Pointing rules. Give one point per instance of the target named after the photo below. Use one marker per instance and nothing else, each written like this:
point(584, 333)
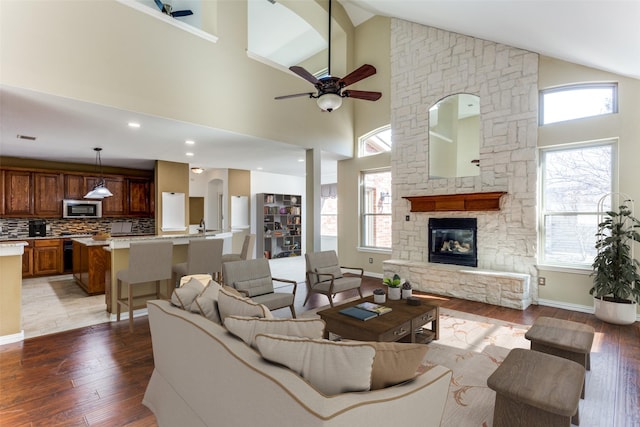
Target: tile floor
point(56, 303)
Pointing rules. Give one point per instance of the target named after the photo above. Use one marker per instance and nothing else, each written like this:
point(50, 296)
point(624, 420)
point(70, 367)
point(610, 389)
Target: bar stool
point(148, 262)
point(204, 256)
point(247, 249)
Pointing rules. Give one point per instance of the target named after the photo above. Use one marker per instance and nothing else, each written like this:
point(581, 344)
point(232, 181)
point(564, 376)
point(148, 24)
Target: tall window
point(577, 101)
point(573, 180)
point(377, 141)
point(376, 209)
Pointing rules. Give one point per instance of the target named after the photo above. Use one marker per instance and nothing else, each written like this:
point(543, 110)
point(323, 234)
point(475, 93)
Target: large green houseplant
point(616, 273)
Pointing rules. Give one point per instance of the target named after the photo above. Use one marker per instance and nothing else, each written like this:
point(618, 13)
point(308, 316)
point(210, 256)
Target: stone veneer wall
point(427, 65)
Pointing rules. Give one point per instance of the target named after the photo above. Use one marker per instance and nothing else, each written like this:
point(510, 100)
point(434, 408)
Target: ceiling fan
point(330, 89)
point(167, 10)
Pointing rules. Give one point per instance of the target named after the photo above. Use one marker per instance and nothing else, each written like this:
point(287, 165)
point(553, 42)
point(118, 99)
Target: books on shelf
point(358, 313)
point(376, 308)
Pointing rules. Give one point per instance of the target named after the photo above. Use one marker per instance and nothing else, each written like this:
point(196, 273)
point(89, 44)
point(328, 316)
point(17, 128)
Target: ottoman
point(536, 389)
point(562, 338)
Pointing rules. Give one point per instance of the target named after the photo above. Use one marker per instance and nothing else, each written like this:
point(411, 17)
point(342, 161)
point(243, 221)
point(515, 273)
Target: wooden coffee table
point(404, 323)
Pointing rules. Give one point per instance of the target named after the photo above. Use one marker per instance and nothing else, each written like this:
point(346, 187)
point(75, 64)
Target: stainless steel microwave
point(81, 208)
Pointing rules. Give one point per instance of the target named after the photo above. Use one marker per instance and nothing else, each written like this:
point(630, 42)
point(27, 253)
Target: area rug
point(472, 347)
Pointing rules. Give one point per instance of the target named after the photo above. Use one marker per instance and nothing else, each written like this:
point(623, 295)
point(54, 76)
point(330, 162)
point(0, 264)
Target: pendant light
point(99, 191)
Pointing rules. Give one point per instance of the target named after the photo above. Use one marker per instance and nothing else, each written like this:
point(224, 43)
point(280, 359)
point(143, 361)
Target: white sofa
point(204, 376)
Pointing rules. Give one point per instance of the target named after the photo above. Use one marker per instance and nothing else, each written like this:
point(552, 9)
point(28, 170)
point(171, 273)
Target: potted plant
point(616, 276)
point(379, 296)
point(406, 290)
point(394, 286)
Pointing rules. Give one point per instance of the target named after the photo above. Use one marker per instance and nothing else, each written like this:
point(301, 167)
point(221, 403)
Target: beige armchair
point(324, 275)
point(253, 279)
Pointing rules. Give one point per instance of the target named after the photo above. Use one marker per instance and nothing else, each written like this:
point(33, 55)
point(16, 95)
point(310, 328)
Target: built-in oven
point(81, 208)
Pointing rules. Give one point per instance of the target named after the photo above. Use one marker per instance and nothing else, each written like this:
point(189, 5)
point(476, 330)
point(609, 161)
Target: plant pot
point(406, 293)
point(615, 312)
point(394, 293)
point(379, 299)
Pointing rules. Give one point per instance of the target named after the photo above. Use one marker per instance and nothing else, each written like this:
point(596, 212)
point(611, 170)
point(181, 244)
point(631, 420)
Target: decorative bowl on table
point(101, 236)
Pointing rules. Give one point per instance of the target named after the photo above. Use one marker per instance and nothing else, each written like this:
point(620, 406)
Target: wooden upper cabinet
point(48, 194)
point(139, 197)
point(114, 205)
point(18, 193)
point(74, 187)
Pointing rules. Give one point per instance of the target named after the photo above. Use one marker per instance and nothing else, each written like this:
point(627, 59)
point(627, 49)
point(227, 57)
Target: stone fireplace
point(427, 65)
point(453, 241)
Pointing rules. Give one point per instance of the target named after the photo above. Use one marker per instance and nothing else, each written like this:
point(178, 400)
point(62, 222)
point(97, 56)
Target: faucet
point(202, 226)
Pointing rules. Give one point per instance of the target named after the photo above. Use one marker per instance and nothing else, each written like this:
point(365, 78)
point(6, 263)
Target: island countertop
point(178, 239)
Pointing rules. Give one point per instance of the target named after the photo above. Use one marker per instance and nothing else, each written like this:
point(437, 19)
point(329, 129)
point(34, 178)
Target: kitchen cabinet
point(113, 205)
point(18, 193)
point(47, 256)
point(90, 264)
point(27, 260)
point(48, 191)
point(74, 187)
point(139, 197)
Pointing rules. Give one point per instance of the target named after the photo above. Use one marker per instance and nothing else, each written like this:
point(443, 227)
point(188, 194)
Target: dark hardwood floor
point(97, 375)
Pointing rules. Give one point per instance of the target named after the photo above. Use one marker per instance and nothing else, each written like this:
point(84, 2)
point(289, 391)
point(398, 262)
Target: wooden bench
point(563, 338)
point(536, 389)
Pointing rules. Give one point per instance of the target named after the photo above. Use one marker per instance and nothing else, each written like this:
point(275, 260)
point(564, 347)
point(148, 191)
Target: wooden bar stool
point(148, 262)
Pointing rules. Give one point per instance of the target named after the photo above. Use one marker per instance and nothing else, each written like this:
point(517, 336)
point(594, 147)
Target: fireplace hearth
point(453, 241)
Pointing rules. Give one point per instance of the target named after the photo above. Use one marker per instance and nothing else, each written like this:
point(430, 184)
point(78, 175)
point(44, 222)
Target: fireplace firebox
point(453, 241)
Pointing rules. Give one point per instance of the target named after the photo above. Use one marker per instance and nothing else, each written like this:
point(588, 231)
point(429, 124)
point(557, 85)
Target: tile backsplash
point(18, 228)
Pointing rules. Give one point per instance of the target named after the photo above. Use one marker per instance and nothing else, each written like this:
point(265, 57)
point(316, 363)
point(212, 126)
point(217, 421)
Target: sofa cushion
point(206, 304)
point(247, 328)
point(184, 296)
point(231, 304)
point(254, 287)
point(331, 367)
point(395, 363)
point(334, 269)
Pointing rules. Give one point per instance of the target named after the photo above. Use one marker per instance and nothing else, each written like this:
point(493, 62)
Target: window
point(573, 180)
point(329, 210)
point(577, 101)
point(375, 209)
point(378, 141)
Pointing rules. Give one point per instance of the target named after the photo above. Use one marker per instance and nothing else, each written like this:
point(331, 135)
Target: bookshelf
point(278, 225)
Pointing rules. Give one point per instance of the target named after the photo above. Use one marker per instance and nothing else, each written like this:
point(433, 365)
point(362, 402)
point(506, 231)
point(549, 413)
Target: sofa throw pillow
point(246, 328)
point(334, 269)
point(230, 304)
point(254, 287)
point(184, 296)
point(395, 363)
point(331, 367)
point(206, 304)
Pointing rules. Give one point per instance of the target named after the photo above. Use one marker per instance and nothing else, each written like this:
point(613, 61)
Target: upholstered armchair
point(324, 275)
point(253, 279)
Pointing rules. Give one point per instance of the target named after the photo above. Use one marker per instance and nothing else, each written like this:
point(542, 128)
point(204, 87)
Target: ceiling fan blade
point(304, 74)
point(355, 76)
point(362, 94)
point(179, 13)
point(159, 4)
point(309, 94)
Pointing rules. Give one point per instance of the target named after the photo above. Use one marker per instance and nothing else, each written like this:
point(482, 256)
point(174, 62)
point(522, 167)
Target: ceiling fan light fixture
point(329, 102)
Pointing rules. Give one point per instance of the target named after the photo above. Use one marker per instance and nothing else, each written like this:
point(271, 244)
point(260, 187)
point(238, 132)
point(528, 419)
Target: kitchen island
point(90, 264)
point(11, 292)
point(116, 250)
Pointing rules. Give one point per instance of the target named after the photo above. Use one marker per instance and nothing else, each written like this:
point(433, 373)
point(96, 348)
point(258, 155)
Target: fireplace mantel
point(456, 202)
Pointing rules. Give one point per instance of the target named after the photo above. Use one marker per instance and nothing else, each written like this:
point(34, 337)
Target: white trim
point(374, 250)
point(169, 20)
point(125, 315)
point(564, 269)
point(572, 307)
point(8, 339)
point(372, 274)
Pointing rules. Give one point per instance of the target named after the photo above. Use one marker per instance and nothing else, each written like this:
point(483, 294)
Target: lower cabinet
point(90, 263)
point(47, 257)
point(27, 260)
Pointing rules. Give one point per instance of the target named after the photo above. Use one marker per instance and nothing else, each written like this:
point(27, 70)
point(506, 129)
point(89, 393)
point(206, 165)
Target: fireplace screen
point(453, 241)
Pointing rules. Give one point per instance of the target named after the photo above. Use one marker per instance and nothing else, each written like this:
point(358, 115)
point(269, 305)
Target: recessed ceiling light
point(190, 154)
point(189, 142)
point(259, 168)
point(134, 125)
point(301, 160)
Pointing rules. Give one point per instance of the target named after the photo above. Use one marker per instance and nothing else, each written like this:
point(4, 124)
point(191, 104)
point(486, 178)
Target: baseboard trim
point(125, 315)
point(8, 339)
point(566, 305)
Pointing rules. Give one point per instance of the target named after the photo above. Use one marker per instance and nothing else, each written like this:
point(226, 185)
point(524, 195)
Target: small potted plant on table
point(406, 290)
point(394, 286)
point(379, 296)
